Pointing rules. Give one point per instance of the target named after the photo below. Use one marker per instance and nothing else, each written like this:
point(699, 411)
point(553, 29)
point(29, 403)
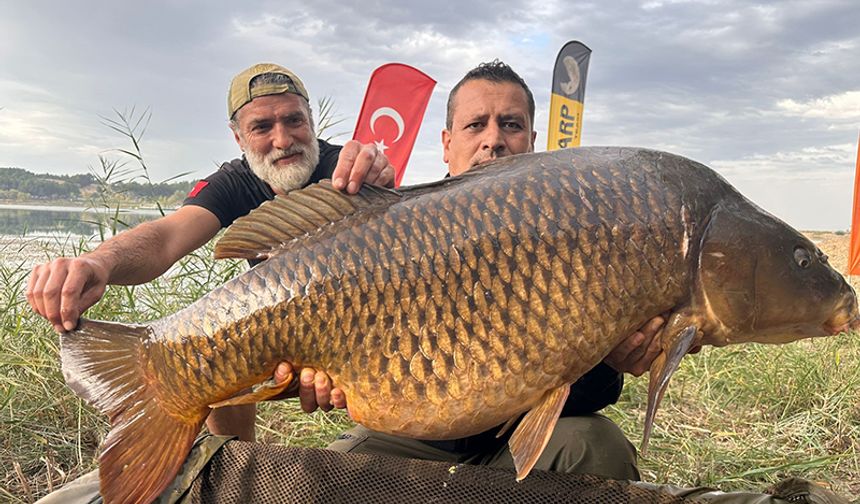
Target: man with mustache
point(491, 116)
point(271, 121)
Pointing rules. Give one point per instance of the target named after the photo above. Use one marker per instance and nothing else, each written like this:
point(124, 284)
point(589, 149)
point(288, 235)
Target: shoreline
point(74, 207)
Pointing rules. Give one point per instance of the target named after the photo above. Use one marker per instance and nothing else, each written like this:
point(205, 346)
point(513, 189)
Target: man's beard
point(292, 176)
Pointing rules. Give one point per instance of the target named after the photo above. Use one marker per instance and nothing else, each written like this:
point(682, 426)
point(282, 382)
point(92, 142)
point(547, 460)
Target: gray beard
point(285, 178)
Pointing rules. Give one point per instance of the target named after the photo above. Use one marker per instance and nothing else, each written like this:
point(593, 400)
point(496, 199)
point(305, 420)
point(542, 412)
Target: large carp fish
point(445, 309)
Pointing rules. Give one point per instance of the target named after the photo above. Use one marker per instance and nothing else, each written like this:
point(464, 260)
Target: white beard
point(285, 178)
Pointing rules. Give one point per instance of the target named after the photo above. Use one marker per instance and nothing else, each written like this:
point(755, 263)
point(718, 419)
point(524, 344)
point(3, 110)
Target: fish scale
point(445, 309)
point(598, 293)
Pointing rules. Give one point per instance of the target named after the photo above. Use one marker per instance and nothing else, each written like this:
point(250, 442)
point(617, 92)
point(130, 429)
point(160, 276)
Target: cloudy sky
point(766, 93)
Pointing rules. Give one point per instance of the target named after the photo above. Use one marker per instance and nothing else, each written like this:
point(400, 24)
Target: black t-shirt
point(234, 190)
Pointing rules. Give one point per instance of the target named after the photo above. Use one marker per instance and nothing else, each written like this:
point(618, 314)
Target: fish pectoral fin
point(505, 428)
point(533, 433)
point(262, 392)
point(662, 369)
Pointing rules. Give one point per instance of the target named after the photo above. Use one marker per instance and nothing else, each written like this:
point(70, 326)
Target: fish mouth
point(851, 325)
point(846, 317)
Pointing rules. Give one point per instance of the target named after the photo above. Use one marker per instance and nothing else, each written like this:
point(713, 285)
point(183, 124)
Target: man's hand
point(635, 354)
point(61, 290)
point(315, 390)
point(358, 163)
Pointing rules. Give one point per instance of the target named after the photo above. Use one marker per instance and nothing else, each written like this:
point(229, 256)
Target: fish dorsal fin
point(533, 433)
point(276, 222)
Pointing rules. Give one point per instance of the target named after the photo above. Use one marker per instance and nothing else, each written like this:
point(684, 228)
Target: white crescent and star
point(395, 116)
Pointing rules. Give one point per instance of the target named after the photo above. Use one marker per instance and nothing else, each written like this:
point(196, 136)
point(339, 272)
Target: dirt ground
point(834, 245)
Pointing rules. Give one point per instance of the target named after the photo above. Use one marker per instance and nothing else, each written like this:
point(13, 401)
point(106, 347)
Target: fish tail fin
point(104, 364)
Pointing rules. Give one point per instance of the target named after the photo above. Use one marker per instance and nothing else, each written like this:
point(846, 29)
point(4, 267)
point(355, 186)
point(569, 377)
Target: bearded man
point(270, 116)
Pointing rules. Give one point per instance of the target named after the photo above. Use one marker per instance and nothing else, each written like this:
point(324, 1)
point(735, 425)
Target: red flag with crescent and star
point(391, 114)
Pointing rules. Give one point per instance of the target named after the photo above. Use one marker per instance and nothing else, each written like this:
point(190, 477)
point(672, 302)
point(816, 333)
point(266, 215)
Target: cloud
point(807, 164)
point(43, 130)
point(766, 89)
point(837, 106)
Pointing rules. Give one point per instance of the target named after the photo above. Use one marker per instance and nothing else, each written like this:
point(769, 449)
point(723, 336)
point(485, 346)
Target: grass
point(738, 418)
point(49, 435)
point(734, 418)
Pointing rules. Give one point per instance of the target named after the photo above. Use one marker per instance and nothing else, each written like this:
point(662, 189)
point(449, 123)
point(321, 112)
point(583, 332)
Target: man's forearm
point(133, 257)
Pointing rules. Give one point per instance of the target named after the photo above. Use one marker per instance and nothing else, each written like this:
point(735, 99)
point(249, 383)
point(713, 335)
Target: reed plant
point(737, 418)
point(48, 435)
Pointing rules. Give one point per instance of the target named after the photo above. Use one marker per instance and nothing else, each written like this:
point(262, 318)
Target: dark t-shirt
point(234, 190)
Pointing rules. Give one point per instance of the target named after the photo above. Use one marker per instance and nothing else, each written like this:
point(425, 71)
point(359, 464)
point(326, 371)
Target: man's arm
point(635, 354)
point(62, 289)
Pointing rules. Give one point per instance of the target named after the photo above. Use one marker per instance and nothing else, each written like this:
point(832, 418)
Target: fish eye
point(802, 257)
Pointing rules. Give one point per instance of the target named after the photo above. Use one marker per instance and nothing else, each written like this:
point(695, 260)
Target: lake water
point(31, 234)
point(55, 221)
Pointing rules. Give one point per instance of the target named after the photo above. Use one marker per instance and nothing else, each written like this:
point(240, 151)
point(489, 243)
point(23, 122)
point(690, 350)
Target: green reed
point(735, 418)
point(742, 417)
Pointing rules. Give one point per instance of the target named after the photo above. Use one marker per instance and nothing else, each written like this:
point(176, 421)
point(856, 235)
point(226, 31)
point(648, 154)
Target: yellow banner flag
point(568, 96)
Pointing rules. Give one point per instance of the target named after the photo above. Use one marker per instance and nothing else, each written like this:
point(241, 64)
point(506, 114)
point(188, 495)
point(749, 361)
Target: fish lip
point(851, 325)
point(846, 316)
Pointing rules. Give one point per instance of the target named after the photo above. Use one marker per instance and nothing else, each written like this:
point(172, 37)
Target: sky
point(767, 94)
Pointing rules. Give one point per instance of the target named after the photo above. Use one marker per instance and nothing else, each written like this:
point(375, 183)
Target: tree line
point(18, 184)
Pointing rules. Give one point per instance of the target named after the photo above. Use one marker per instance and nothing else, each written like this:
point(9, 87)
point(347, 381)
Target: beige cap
point(240, 88)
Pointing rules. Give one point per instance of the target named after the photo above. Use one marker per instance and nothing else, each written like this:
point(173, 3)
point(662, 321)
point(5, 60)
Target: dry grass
point(742, 417)
point(736, 418)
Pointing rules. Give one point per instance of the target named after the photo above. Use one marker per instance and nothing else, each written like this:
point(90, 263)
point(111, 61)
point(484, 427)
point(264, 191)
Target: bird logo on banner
point(573, 74)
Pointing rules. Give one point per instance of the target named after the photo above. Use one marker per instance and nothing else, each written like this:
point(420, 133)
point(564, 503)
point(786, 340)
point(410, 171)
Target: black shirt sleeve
point(328, 161)
point(594, 391)
point(231, 192)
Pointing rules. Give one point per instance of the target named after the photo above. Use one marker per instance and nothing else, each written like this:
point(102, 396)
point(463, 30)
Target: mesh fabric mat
point(256, 473)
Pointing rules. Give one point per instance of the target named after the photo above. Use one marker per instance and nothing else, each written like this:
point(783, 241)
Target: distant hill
point(17, 184)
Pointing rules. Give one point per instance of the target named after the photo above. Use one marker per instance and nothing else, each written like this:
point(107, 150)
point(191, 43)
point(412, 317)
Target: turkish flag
point(391, 114)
